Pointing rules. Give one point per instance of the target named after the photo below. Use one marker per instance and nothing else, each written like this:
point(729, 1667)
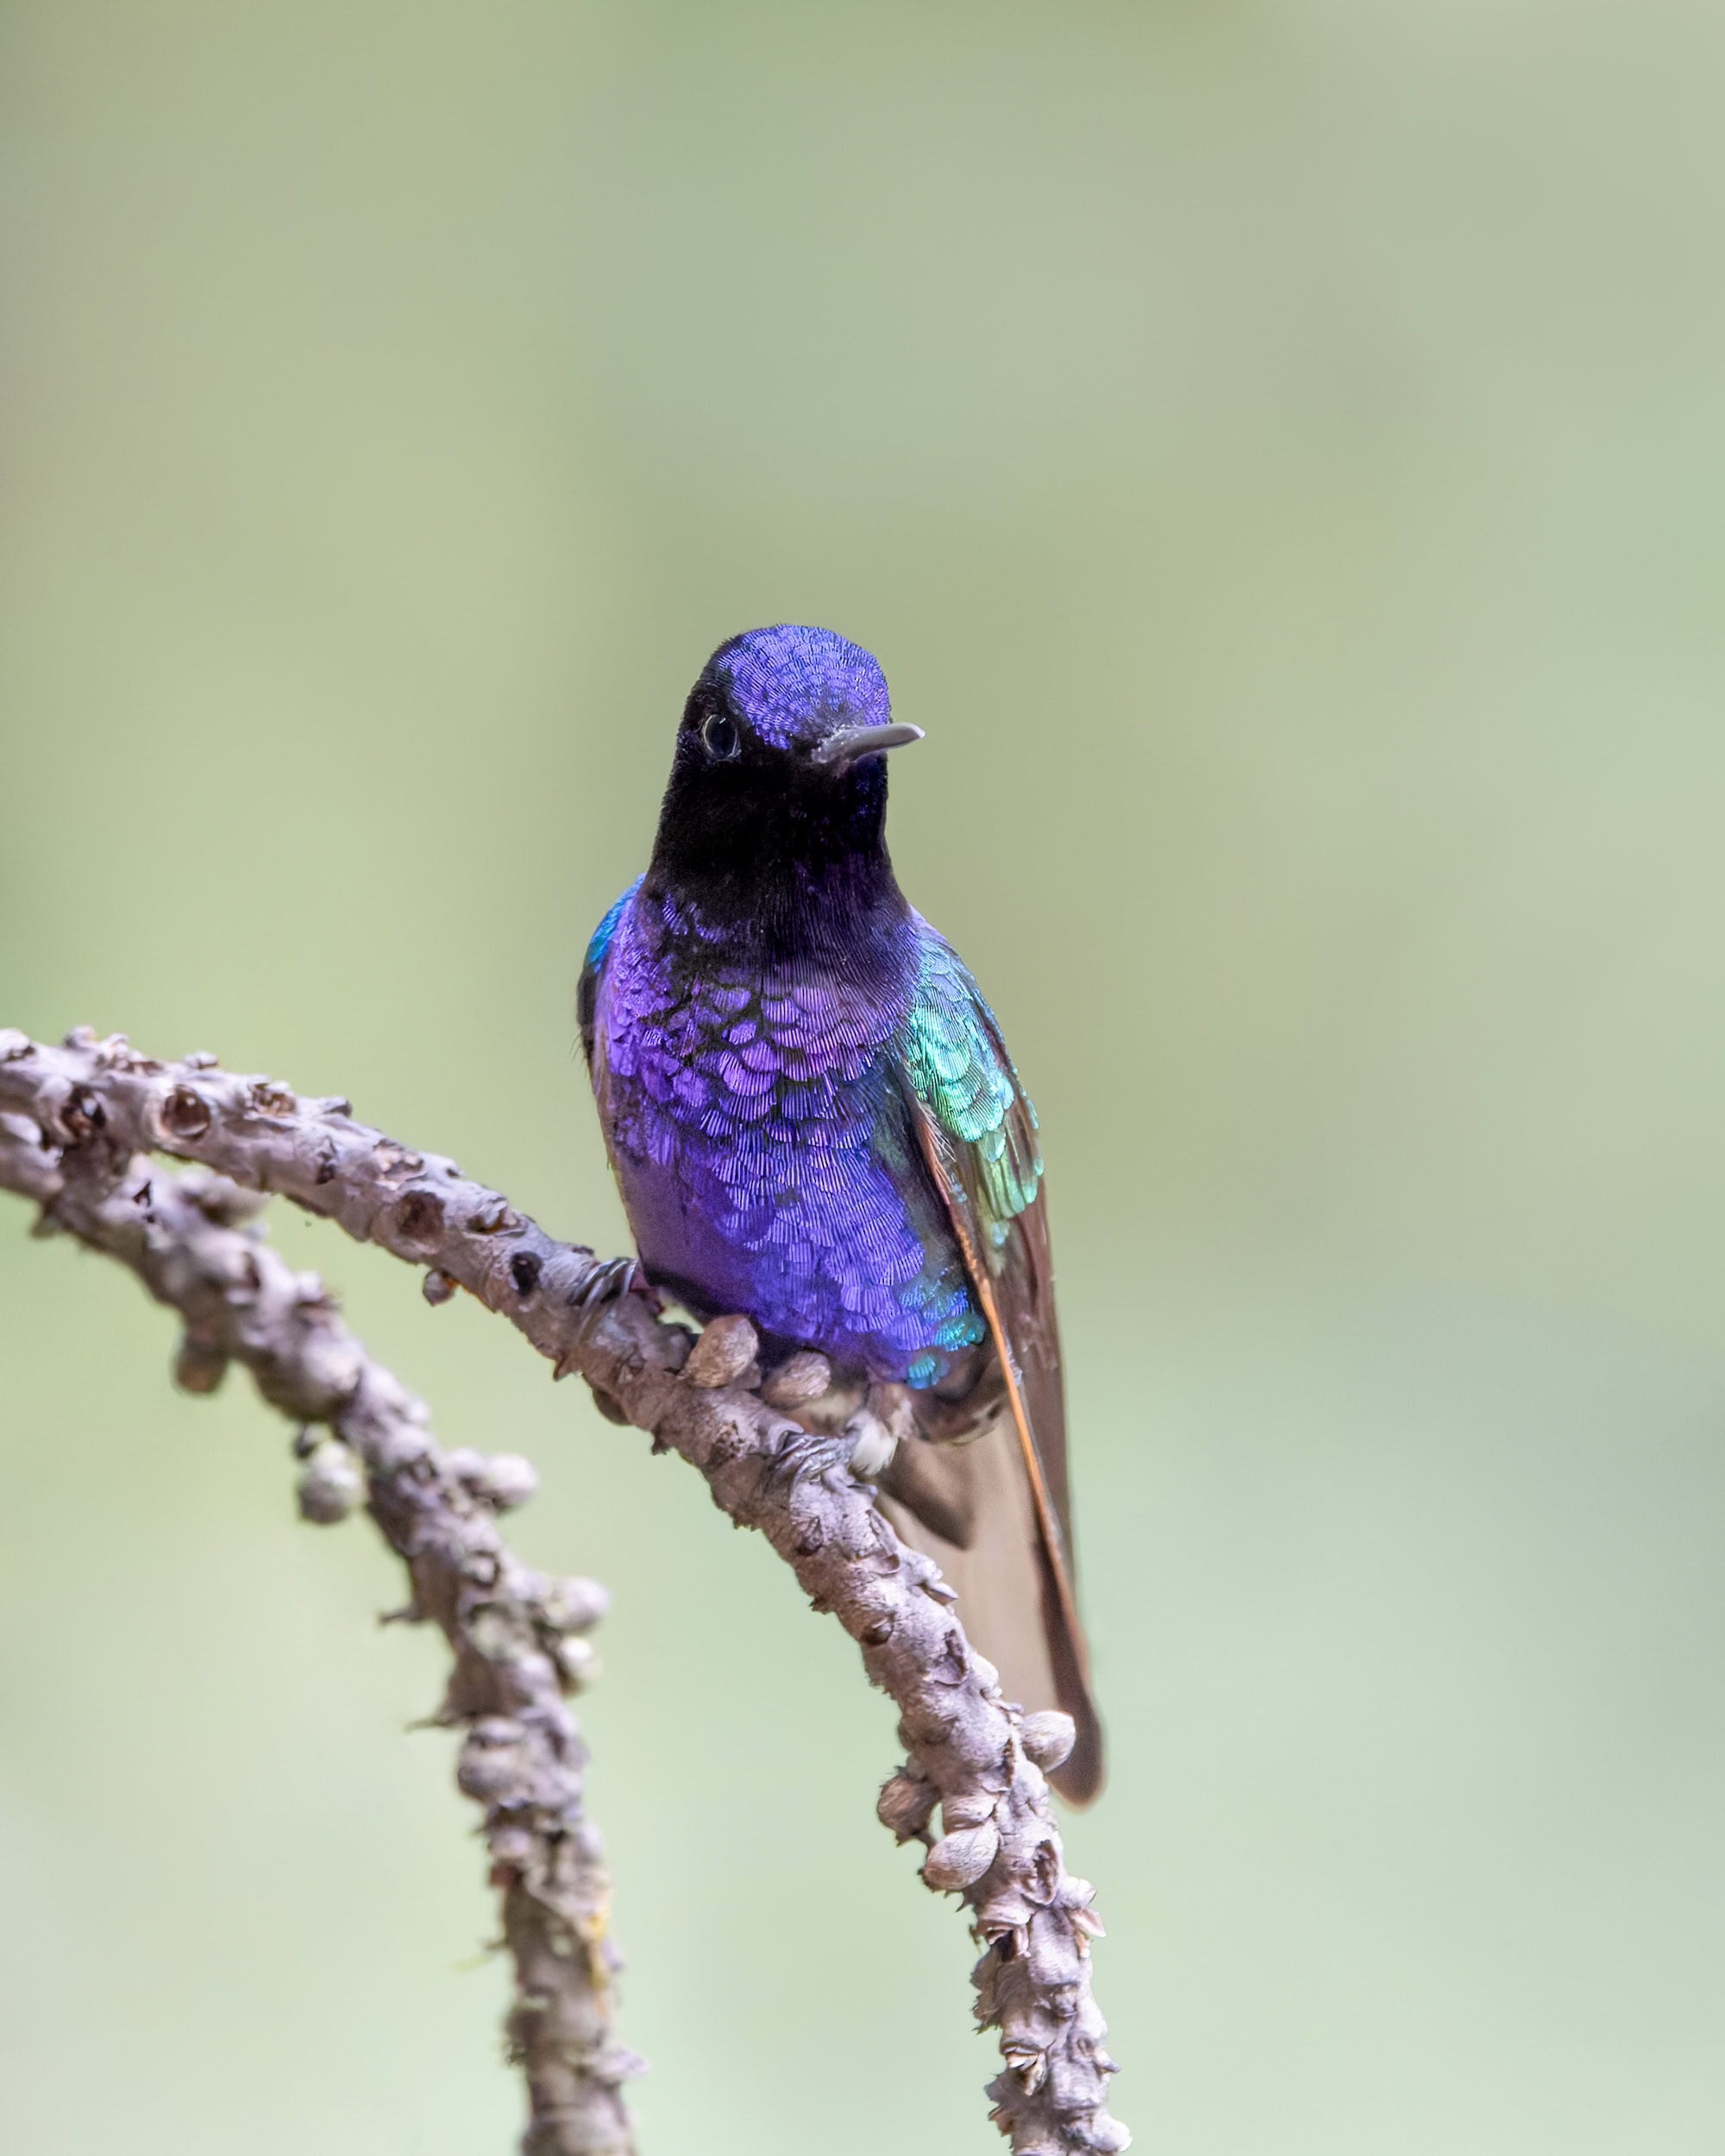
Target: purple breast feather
point(762, 1141)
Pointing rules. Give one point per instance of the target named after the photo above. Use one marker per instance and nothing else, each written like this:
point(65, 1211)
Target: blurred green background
point(1277, 450)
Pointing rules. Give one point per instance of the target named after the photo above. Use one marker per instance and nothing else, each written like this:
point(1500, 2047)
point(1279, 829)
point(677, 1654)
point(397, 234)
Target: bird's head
point(779, 773)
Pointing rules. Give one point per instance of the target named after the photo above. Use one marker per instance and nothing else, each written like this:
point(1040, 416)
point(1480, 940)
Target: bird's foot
point(611, 1280)
point(811, 1453)
point(604, 1285)
point(863, 1447)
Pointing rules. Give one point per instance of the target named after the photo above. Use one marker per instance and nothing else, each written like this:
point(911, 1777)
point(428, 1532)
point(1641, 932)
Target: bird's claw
point(863, 1450)
point(810, 1452)
point(612, 1280)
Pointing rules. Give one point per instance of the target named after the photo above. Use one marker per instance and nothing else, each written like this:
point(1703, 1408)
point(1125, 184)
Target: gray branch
point(516, 1638)
point(90, 1106)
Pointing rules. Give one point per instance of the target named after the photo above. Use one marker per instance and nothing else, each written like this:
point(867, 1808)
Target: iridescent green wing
point(959, 1069)
point(978, 1132)
point(980, 1128)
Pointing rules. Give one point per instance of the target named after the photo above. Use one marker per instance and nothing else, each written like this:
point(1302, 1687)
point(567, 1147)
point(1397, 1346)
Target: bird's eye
point(718, 737)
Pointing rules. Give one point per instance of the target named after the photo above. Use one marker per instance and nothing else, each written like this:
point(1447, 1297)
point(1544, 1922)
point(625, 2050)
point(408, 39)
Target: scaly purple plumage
point(761, 1134)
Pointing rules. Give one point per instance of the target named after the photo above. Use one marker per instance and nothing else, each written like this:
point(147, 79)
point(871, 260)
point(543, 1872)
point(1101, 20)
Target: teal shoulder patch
point(607, 928)
point(587, 990)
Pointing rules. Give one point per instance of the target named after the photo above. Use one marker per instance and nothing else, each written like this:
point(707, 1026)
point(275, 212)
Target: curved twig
point(969, 1752)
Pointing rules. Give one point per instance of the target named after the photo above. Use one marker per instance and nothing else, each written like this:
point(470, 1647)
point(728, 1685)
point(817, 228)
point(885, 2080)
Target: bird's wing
point(586, 993)
point(976, 1130)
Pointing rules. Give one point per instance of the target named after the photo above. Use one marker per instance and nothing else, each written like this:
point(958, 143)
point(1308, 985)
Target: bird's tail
point(972, 1508)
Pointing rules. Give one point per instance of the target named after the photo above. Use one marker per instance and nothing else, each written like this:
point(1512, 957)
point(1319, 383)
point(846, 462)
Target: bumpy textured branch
point(969, 1753)
point(516, 1638)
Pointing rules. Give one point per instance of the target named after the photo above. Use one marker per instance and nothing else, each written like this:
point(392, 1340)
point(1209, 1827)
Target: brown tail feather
point(969, 1508)
point(1016, 1296)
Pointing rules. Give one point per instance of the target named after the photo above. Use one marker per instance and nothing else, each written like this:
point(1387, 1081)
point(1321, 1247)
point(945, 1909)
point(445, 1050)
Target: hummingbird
point(813, 1120)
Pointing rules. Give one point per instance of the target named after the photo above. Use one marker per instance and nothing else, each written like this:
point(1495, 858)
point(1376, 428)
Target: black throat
point(775, 860)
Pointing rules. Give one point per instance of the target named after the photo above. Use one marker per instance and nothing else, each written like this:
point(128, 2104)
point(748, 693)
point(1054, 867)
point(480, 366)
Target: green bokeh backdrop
point(1278, 449)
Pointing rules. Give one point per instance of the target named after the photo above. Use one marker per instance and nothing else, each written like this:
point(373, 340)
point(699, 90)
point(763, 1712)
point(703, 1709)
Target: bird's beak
point(851, 742)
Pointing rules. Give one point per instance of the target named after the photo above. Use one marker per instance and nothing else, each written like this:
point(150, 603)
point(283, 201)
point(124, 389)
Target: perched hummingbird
point(813, 1120)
